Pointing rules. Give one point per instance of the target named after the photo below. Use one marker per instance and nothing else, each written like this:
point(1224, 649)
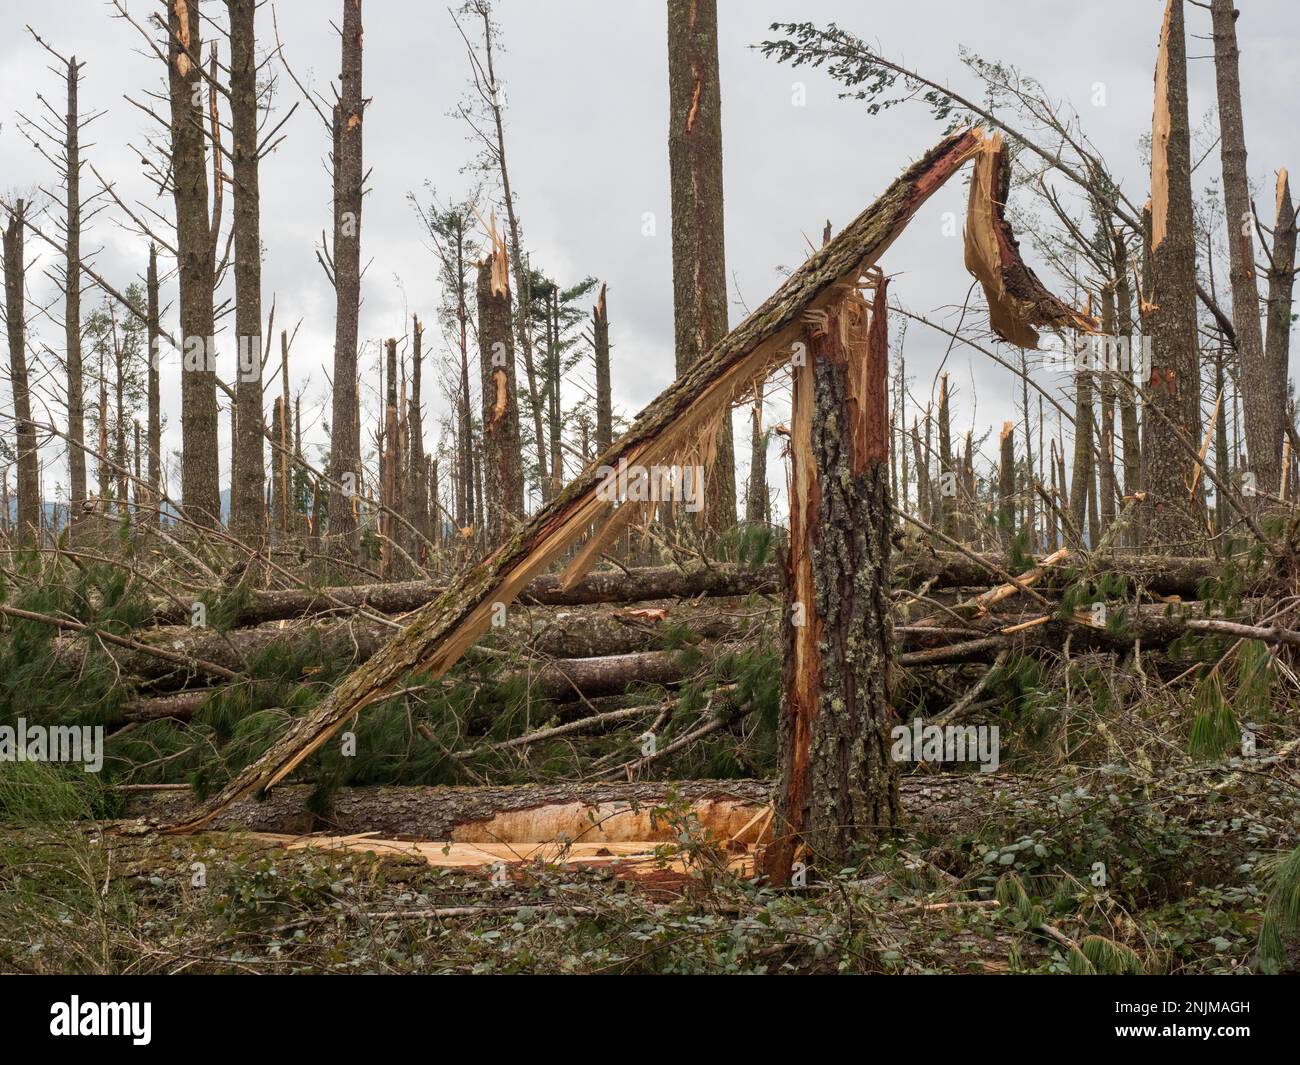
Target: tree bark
point(345, 438)
point(248, 498)
point(15, 270)
point(839, 785)
point(1174, 384)
point(1264, 405)
point(1281, 279)
point(200, 479)
point(417, 501)
point(153, 332)
point(604, 384)
point(503, 487)
point(699, 259)
point(72, 300)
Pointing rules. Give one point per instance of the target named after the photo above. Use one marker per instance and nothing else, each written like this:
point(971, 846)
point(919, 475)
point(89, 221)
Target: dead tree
point(28, 460)
point(200, 484)
point(416, 504)
point(153, 335)
point(604, 385)
point(699, 259)
point(1264, 406)
point(349, 176)
point(503, 487)
point(839, 785)
point(248, 487)
point(1173, 395)
point(1281, 279)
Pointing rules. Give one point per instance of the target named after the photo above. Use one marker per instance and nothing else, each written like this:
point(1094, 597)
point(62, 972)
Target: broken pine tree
point(670, 427)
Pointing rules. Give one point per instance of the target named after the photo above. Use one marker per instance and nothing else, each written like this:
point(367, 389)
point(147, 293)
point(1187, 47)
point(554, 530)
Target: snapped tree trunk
point(699, 259)
point(503, 481)
point(1281, 279)
point(838, 785)
point(604, 384)
point(1174, 384)
point(153, 331)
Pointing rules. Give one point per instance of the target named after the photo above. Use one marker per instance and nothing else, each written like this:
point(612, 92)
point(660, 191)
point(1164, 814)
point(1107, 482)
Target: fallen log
point(911, 568)
point(580, 632)
point(604, 586)
point(436, 813)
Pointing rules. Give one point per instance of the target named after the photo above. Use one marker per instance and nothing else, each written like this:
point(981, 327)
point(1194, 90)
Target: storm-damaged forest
point(650, 488)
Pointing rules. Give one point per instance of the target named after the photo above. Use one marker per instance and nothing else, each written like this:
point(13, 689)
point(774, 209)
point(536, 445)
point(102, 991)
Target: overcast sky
point(586, 94)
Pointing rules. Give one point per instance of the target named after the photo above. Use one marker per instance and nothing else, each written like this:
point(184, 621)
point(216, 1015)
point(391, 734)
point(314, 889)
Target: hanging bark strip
point(440, 633)
point(838, 784)
point(1017, 299)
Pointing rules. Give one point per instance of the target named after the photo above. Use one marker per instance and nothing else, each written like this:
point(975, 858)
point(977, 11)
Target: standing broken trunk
point(29, 495)
point(839, 786)
point(503, 487)
point(1174, 514)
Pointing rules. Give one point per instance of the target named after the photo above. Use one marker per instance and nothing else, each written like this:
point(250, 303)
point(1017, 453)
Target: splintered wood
point(1017, 299)
point(631, 840)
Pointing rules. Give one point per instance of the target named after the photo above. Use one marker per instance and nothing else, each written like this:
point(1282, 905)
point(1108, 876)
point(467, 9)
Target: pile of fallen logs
point(615, 629)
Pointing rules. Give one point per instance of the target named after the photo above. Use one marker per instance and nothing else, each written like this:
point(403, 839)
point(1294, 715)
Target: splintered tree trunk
point(1281, 279)
point(838, 785)
point(699, 260)
point(1007, 486)
point(248, 499)
point(604, 385)
point(72, 301)
point(503, 481)
point(200, 477)
point(345, 439)
point(1173, 401)
point(946, 500)
point(390, 461)
point(1265, 405)
point(436, 636)
point(29, 492)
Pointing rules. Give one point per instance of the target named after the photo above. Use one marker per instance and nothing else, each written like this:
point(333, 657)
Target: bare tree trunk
point(1124, 365)
point(72, 298)
point(699, 259)
point(153, 331)
point(28, 461)
point(756, 493)
point(839, 784)
point(345, 438)
point(1106, 436)
point(1174, 392)
point(417, 502)
point(390, 460)
point(1007, 487)
point(1265, 406)
point(248, 490)
point(946, 501)
point(200, 484)
point(1281, 279)
point(503, 487)
point(604, 384)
